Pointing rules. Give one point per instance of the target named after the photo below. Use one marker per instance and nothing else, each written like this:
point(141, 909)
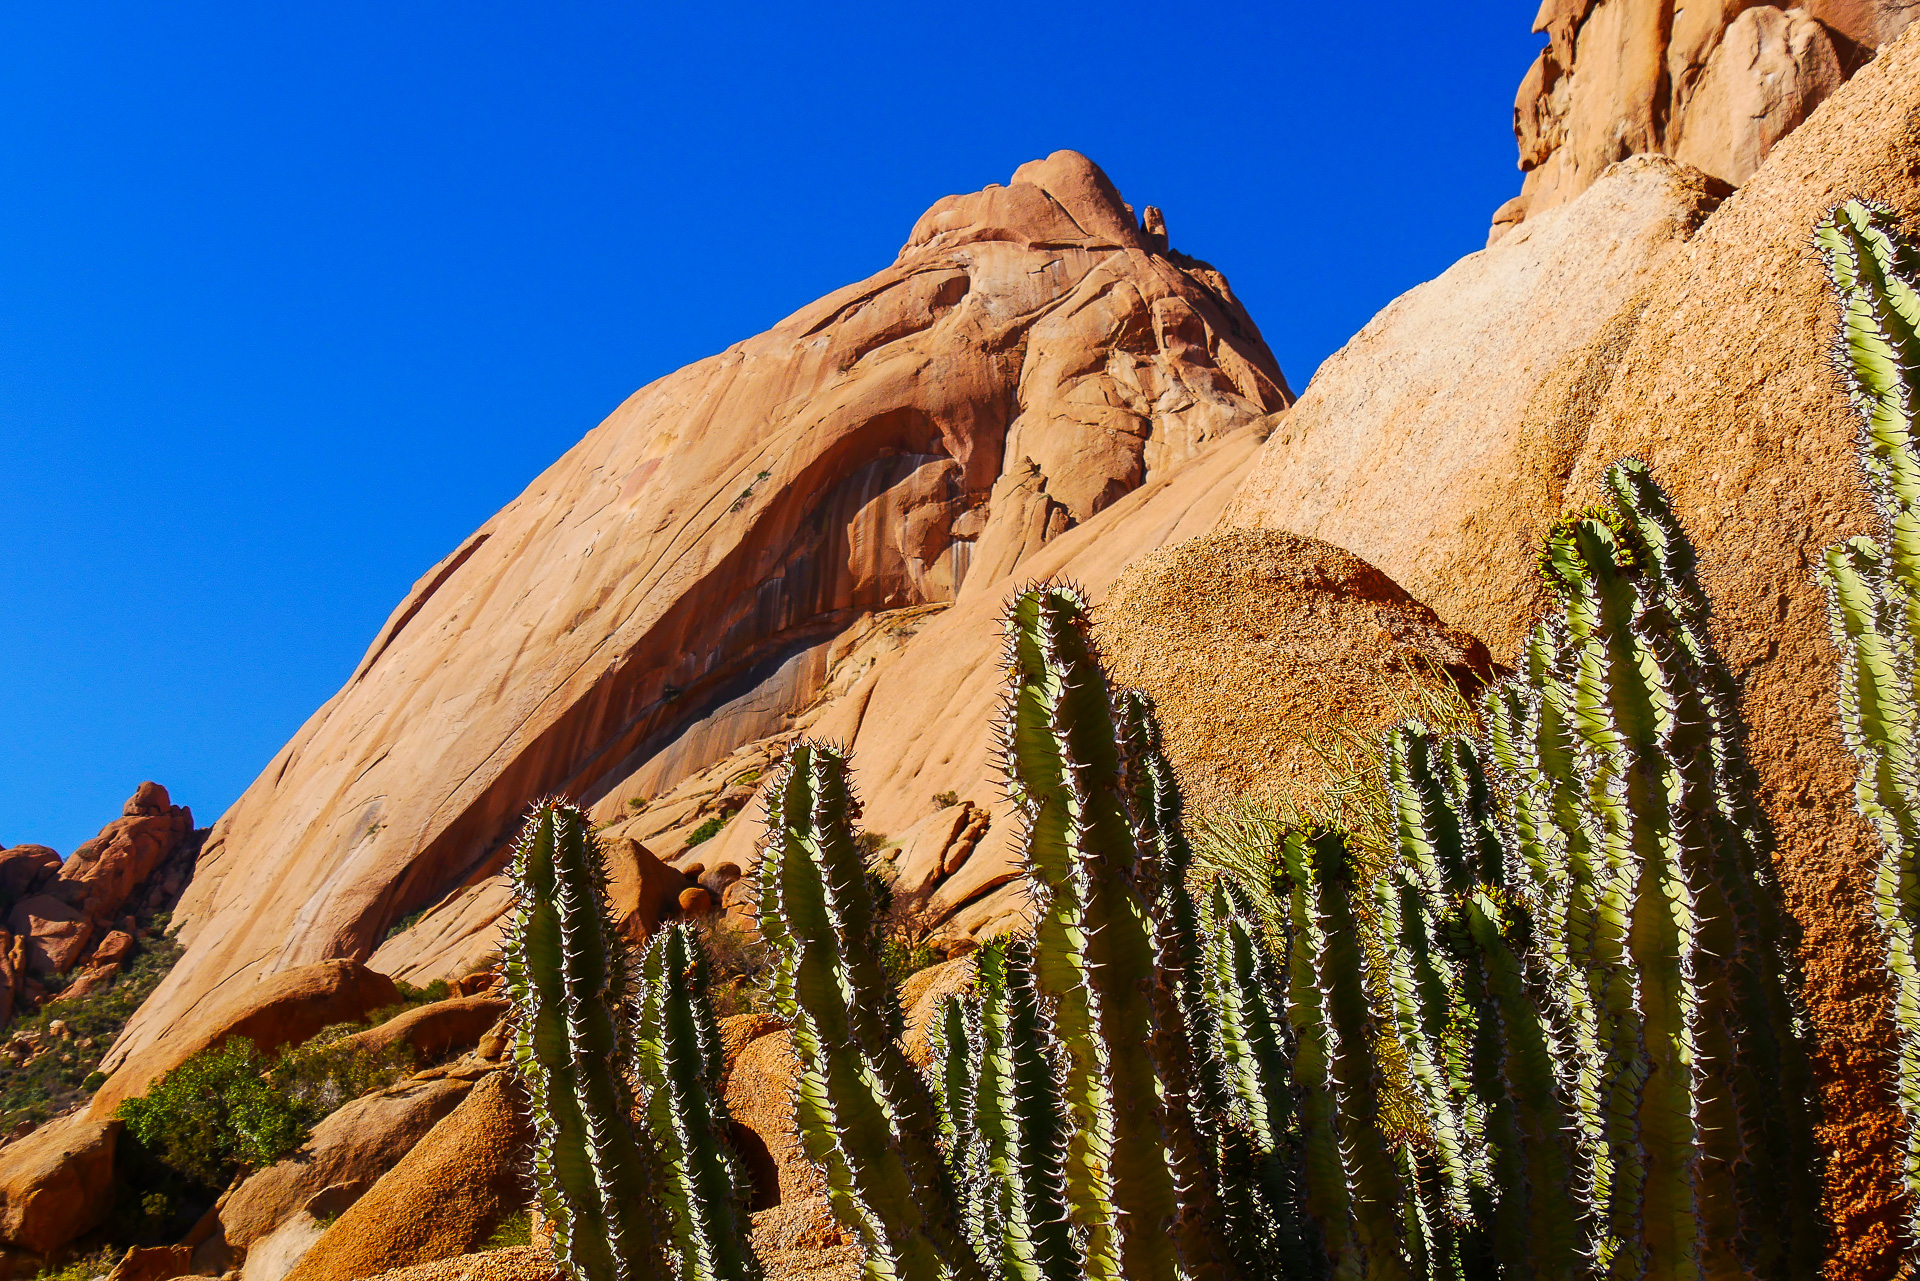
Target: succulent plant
point(1873, 603)
point(625, 1201)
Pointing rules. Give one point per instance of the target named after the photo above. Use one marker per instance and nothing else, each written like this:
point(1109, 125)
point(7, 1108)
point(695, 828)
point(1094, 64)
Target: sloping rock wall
point(1030, 358)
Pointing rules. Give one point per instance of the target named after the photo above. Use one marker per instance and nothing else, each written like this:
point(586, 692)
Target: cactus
point(1130, 1148)
point(1353, 1181)
point(866, 1117)
point(1593, 990)
point(680, 1068)
point(624, 1201)
point(1873, 603)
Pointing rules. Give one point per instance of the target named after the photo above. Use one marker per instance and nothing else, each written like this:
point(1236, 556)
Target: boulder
point(25, 869)
point(920, 998)
point(519, 1263)
point(695, 901)
point(434, 1032)
point(669, 589)
point(759, 1092)
point(643, 890)
point(1715, 83)
point(273, 1256)
point(353, 1147)
point(57, 933)
point(57, 1183)
point(283, 1009)
point(153, 1263)
point(444, 1197)
point(110, 867)
point(1247, 639)
point(1770, 69)
point(802, 1241)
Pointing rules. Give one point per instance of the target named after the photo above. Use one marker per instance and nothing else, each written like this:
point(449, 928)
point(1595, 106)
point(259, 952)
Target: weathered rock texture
point(672, 587)
point(1414, 447)
point(56, 1183)
point(443, 1199)
point(1717, 373)
point(1249, 639)
point(1714, 83)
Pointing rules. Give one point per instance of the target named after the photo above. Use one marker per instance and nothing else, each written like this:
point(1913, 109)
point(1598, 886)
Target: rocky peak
point(672, 588)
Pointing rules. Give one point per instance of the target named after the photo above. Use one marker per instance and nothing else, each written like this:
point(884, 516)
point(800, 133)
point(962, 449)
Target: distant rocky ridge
point(75, 922)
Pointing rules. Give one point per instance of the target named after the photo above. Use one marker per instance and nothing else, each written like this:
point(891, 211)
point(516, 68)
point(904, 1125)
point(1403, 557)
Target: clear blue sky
point(292, 297)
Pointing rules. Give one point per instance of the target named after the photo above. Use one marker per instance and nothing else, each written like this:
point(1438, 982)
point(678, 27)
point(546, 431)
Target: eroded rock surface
point(672, 587)
point(1715, 83)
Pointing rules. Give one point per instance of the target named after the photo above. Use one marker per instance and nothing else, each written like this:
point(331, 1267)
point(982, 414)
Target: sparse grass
point(871, 843)
point(945, 800)
point(86, 1267)
point(705, 832)
point(637, 804)
point(515, 1229)
point(739, 968)
point(66, 1072)
point(404, 924)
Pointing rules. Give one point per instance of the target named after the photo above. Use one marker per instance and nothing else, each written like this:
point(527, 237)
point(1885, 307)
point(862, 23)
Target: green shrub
point(901, 959)
point(233, 1107)
point(946, 800)
point(515, 1229)
point(705, 832)
point(218, 1111)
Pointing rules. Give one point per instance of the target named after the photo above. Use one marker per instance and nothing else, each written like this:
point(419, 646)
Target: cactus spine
point(624, 1202)
point(866, 1117)
point(1873, 602)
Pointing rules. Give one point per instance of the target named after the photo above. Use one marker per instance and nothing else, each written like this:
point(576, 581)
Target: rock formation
point(80, 917)
point(1713, 84)
point(1716, 371)
point(672, 587)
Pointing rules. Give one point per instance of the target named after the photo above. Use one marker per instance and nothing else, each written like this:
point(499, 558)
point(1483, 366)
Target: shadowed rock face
point(669, 588)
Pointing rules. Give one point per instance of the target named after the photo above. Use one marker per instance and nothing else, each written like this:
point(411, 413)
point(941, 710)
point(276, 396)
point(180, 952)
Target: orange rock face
point(1714, 84)
point(669, 589)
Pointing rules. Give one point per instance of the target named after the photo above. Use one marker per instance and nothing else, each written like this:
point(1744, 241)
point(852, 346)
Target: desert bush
point(705, 832)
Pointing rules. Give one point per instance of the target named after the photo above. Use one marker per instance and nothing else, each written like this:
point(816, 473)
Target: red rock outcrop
point(1716, 371)
point(670, 589)
point(56, 1183)
point(1714, 84)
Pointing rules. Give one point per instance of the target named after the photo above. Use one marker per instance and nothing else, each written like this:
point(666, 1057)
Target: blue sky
point(291, 301)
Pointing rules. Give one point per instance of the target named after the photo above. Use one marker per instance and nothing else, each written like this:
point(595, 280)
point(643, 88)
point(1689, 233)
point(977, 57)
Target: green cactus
point(1593, 990)
point(1353, 1180)
point(680, 1067)
point(1130, 1149)
point(1022, 1125)
point(866, 1117)
point(624, 1201)
point(1873, 601)
point(567, 976)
